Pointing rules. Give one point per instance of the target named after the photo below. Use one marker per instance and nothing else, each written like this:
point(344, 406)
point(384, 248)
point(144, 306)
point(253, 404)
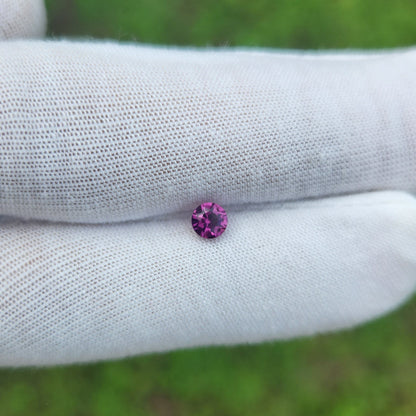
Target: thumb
point(22, 19)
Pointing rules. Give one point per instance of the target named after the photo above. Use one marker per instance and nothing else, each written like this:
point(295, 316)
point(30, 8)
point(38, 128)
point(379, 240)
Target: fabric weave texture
point(95, 132)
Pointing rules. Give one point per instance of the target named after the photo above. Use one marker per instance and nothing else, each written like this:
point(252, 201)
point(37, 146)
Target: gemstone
point(209, 220)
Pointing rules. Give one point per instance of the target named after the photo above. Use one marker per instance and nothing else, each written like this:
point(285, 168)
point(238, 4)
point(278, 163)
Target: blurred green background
point(370, 370)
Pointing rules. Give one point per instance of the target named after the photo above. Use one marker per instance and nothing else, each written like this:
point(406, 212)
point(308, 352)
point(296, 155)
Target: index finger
point(103, 132)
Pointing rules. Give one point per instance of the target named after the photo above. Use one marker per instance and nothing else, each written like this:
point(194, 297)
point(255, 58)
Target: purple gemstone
point(209, 220)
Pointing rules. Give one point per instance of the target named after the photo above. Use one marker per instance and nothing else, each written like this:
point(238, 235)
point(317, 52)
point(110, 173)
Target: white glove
point(97, 132)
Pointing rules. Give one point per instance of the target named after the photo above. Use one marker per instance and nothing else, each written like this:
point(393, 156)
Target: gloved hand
point(106, 148)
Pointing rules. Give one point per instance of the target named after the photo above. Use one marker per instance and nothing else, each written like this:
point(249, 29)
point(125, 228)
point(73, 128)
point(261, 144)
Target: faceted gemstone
point(209, 220)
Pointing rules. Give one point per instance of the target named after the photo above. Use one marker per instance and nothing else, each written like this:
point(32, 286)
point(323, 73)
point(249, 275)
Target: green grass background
point(370, 370)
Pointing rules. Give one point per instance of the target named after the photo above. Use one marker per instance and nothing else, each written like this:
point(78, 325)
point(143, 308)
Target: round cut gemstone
point(209, 220)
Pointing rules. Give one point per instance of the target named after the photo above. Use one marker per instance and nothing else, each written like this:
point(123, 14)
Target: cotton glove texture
point(22, 19)
point(105, 150)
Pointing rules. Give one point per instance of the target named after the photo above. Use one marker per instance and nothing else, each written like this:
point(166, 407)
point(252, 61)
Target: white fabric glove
point(93, 134)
